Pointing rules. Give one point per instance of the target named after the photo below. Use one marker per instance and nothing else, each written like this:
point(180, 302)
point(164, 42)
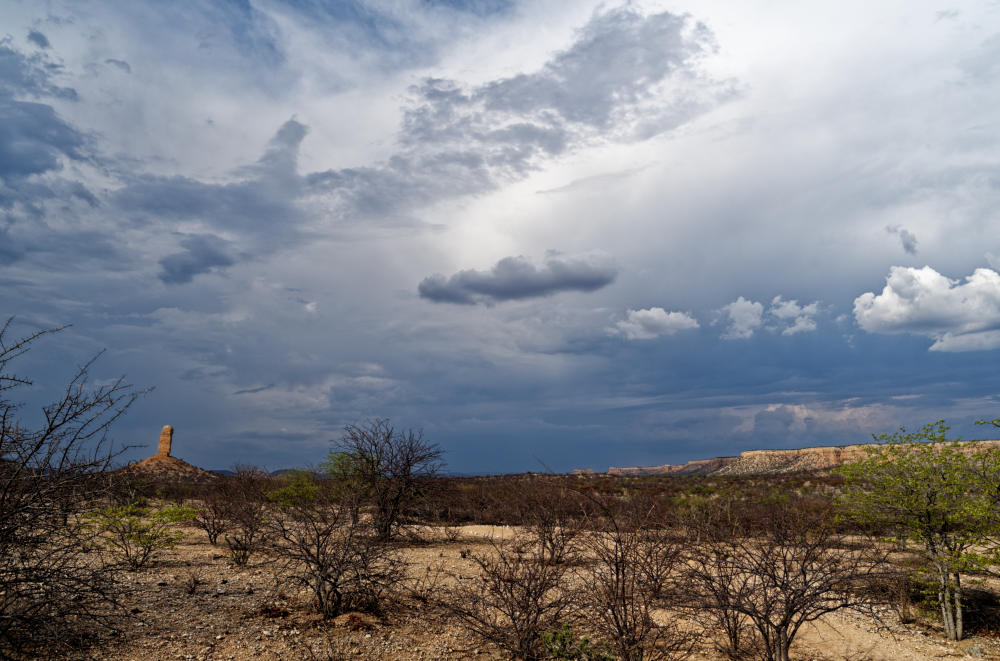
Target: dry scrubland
point(191, 600)
point(375, 556)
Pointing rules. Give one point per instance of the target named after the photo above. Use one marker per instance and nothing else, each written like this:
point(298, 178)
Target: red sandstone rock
point(163, 465)
point(166, 440)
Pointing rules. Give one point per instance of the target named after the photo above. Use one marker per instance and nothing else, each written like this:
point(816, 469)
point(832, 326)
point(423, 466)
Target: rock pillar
point(166, 438)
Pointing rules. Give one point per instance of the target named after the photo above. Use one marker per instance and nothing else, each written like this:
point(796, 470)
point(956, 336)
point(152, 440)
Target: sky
point(552, 235)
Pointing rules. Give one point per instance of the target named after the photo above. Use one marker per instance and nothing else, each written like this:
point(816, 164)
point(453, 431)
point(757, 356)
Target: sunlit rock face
point(754, 462)
point(166, 439)
point(164, 465)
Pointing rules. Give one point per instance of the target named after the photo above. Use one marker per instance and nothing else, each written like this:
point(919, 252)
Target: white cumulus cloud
point(958, 316)
point(651, 323)
point(794, 317)
point(742, 318)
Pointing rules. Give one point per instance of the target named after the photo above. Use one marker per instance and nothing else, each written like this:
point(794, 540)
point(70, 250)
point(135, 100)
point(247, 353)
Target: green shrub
point(563, 643)
point(135, 534)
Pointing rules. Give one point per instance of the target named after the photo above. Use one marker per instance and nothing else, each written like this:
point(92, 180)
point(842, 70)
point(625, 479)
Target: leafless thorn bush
point(247, 510)
point(426, 588)
point(637, 571)
point(53, 591)
point(514, 598)
point(760, 583)
point(550, 517)
point(215, 513)
point(317, 544)
point(191, 583)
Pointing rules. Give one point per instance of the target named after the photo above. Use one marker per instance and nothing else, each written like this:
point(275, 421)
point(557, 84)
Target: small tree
point(938, 497)
point(388, 465)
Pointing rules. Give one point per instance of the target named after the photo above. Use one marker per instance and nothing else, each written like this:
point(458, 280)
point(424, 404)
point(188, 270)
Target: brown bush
point(53, 591)
point(515, 597)
point(636, 570)
point(760, 582)
point(216, 511)
point(318, 543)
point(245, 494)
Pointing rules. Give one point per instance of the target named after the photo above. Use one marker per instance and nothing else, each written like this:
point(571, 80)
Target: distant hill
point(165, 467)
point(762, 462)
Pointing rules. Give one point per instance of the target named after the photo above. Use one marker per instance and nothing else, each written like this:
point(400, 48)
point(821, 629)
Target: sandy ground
point(240, 613)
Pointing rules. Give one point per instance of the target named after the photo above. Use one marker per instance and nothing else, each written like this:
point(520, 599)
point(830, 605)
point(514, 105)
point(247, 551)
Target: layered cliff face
point(790, 461)
point(755, 462)
point(698, 467)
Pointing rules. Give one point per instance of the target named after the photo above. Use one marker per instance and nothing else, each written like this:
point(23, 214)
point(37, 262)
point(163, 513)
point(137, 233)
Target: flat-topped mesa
point(166, 440)
point(697, 467)
point(753, 462)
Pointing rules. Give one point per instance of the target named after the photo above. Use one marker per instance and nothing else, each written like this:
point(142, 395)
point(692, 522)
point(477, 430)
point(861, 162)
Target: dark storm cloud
point(907, 239)
point(29, 75)
point(455, 140)
point(39, 39)
point(616, 61)
point(202, 253)
point(34, 139)
point(252, 391)
point(514, 278)
point(261, 204)
point(459, 140)
point(244, 204)
point(120, 64)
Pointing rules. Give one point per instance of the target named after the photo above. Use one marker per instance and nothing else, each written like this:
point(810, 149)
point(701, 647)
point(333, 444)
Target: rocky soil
point(195, 604)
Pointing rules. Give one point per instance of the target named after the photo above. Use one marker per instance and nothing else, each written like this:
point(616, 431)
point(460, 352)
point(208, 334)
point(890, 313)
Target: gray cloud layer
point(34, 141)
point(455, 141)
point(626, 77)
point(514, 278)
point(201, 254)
point(217, 252)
